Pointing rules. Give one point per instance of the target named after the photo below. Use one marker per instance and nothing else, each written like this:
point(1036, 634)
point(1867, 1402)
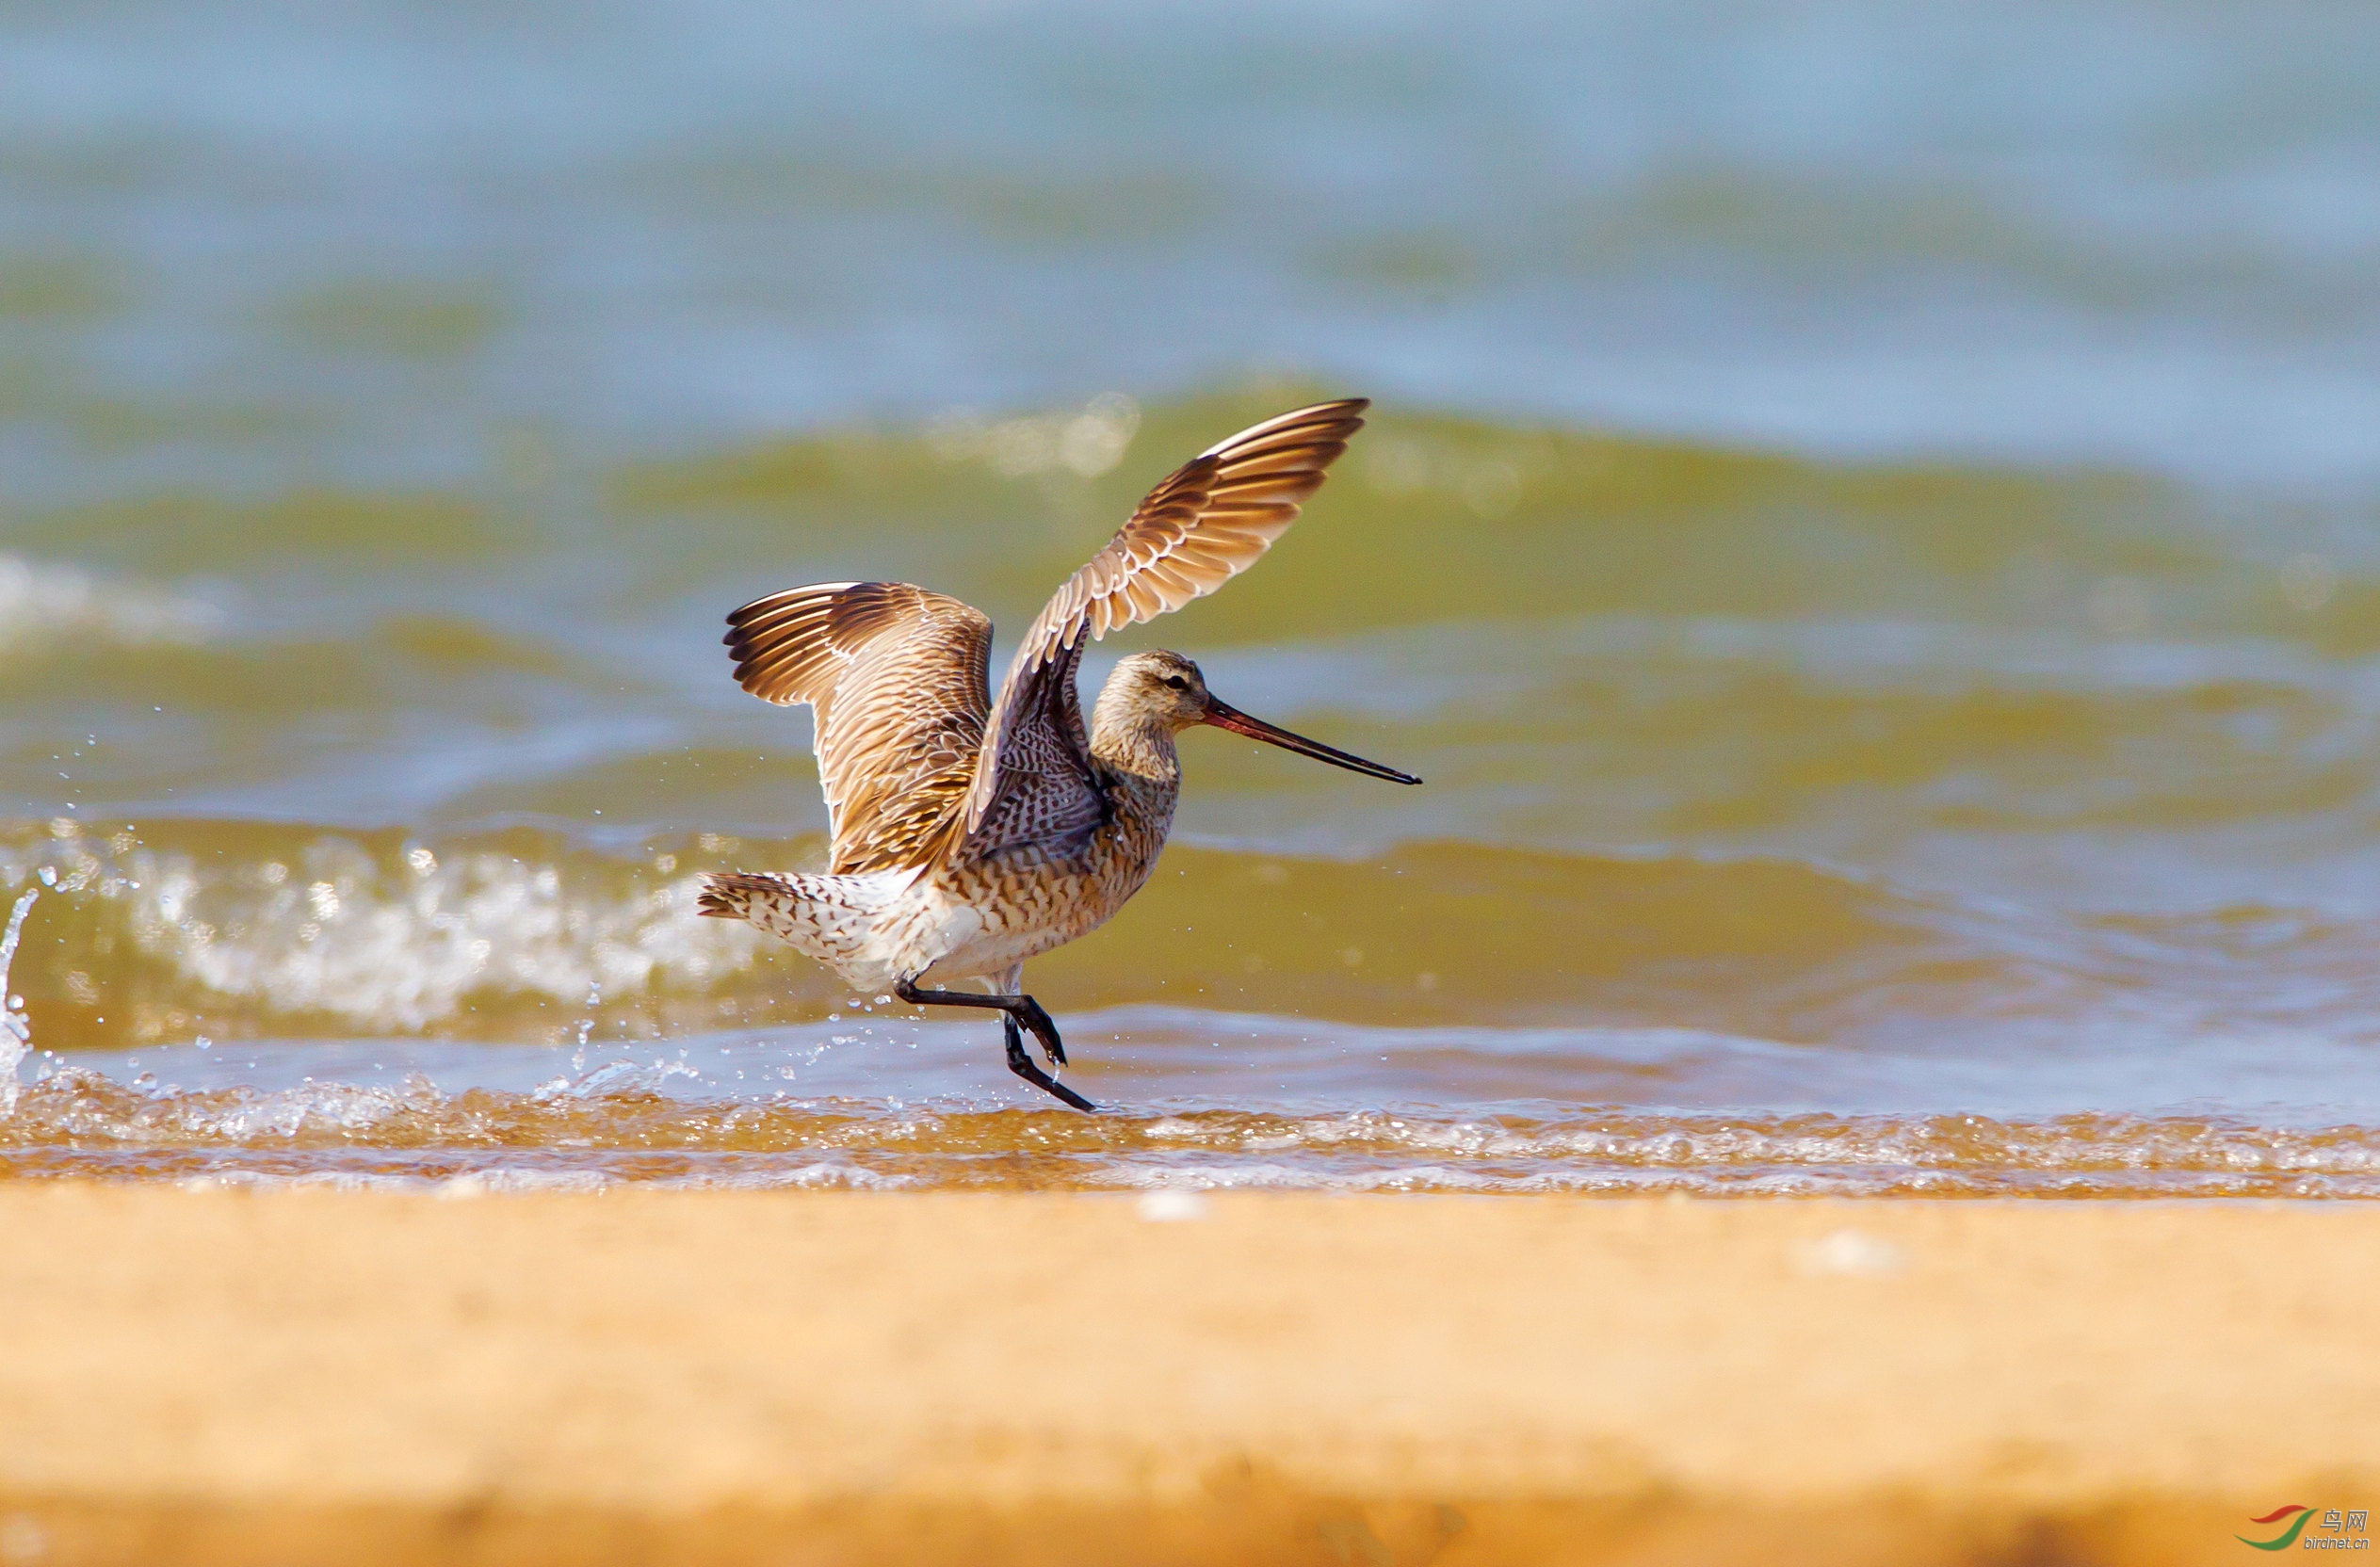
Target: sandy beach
point(302, 1376)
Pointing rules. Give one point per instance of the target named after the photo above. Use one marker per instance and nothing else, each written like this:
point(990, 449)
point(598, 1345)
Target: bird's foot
point(1031, 1016)
point(1021, 1062)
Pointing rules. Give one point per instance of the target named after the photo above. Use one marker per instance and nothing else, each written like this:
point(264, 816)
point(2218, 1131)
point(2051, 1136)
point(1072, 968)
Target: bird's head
point(1166, 690)
point(1160, 687)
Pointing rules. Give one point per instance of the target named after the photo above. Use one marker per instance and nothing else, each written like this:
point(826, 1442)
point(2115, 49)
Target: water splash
point(16, 1033)
point(260, 929)
point(587, 1024)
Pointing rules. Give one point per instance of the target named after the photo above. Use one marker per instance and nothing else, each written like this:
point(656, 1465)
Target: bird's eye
point(1177, 682)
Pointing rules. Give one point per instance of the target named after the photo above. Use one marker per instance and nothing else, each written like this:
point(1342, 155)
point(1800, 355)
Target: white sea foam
point(335, 932)
point(391, 944)
point(43, 602)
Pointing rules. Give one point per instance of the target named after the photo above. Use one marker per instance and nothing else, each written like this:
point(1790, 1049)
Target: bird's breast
point(1033, 897)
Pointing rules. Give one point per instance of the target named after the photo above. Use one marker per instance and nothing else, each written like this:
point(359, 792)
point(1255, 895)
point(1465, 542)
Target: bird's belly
point(994, 917)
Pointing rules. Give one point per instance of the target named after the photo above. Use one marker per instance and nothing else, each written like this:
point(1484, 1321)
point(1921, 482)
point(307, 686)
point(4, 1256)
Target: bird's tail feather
point(828, 918)
point(728, 894)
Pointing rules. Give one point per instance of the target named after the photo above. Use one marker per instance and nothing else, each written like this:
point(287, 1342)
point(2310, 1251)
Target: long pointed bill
point(1225, 716)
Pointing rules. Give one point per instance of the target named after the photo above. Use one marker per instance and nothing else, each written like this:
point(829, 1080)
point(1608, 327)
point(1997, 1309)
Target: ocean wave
point(244, 929)
point(1678, 966)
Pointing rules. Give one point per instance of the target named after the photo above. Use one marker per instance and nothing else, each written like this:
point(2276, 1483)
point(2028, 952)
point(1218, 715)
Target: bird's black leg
point(1022, 1064)
point(1018, 1010)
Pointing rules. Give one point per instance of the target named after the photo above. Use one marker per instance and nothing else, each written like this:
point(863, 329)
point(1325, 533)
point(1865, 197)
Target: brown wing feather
point(1203, 526)
point(899, 679)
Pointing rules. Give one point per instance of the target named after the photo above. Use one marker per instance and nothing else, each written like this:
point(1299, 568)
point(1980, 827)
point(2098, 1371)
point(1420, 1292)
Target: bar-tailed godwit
point(968, 836)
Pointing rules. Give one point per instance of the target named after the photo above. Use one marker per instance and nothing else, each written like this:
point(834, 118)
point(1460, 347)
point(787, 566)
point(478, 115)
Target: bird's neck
point(1142, 780)
point(1137, 749)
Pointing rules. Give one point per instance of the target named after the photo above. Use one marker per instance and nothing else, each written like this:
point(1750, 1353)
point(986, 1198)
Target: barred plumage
point(967, 839)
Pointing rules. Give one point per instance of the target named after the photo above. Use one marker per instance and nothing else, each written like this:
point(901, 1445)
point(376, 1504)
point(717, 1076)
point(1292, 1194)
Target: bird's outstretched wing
point(900, 680)
point(1202, 526)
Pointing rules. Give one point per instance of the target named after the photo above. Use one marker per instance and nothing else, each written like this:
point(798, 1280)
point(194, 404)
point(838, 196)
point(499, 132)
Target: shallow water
point(1197, 1100)
point(1867, 532)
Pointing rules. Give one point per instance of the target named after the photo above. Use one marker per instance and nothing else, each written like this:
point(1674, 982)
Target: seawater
point(1867, 532)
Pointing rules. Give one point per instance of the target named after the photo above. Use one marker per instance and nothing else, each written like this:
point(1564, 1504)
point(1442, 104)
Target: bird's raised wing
point(900, 680)
point(1204, 524)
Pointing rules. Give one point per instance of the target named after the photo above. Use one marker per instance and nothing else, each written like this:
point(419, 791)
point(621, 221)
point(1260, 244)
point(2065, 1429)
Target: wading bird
point(968, 837)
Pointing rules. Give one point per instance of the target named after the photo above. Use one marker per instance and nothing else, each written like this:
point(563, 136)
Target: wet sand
point(305, 1376)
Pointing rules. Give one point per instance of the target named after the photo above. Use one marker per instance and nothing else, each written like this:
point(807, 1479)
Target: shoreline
point(300, 1375)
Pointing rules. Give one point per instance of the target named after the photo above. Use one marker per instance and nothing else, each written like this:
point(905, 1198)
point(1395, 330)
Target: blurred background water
point(1868, 530)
